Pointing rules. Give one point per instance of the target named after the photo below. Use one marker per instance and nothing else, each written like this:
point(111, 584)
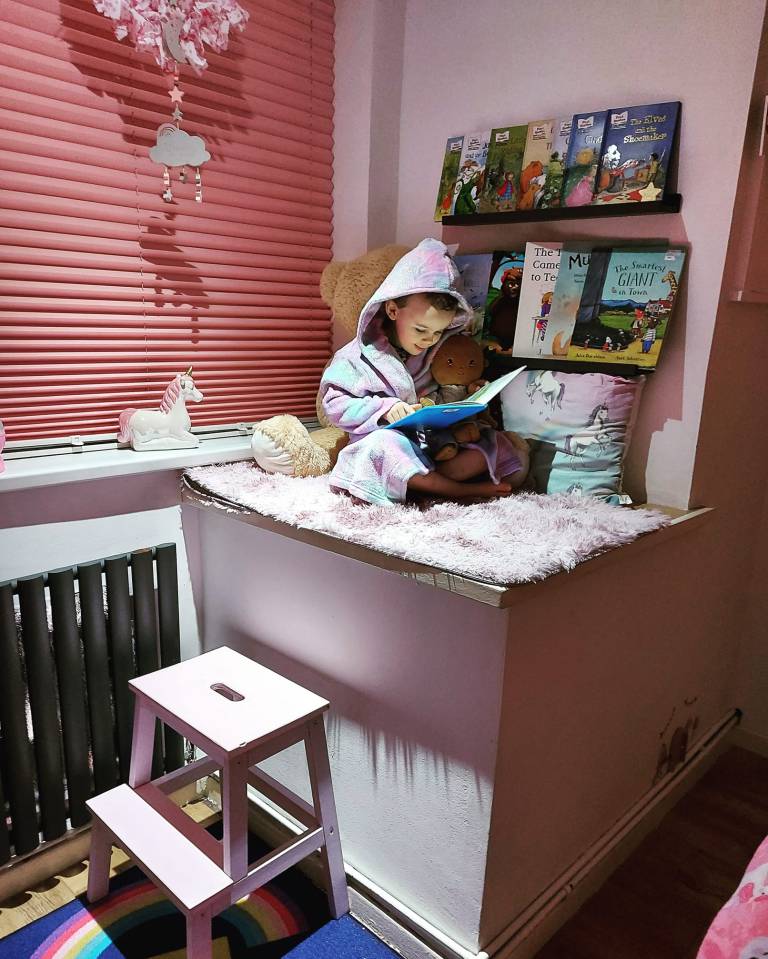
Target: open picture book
point(445, 414)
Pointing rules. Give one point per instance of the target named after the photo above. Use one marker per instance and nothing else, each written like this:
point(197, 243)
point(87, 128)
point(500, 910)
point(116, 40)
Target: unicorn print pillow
point(578, 425)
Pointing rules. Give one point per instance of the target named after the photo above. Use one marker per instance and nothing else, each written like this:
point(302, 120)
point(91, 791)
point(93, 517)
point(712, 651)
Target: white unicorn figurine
point(166, 428)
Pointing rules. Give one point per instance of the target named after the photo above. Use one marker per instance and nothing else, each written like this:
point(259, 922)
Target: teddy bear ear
point(328, 280)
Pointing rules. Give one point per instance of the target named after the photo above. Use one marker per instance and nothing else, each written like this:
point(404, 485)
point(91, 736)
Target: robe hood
point(428, 268)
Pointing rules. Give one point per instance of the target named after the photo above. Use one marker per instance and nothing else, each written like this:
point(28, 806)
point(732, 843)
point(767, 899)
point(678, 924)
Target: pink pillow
point(740, 929)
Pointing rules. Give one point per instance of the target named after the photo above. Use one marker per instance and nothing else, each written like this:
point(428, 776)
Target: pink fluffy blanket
point(505, 541)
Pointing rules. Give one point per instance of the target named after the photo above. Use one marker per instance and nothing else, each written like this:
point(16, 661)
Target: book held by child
point(445, 414)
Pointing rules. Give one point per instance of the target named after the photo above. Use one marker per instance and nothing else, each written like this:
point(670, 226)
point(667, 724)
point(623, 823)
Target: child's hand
point(400, 410)
point(474, 387)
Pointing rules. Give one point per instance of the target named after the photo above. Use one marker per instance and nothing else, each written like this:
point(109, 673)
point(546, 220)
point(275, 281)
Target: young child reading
point(377, 378)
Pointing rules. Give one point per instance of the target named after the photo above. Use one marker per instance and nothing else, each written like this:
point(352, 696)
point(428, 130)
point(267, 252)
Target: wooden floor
point(659, 903)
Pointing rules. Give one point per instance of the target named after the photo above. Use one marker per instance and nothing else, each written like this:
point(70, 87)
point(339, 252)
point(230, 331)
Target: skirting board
point(754, 742)
point(415, 938)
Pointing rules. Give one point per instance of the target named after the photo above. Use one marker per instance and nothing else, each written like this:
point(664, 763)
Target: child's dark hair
point(441, 301)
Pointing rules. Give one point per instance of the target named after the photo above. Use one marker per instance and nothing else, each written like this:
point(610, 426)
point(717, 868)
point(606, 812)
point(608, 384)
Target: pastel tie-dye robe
point(367, 377)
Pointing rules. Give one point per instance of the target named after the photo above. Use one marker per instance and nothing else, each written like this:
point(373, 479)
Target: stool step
point(169, 858)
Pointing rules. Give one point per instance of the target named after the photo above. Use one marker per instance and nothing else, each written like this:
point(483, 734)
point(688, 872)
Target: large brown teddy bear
point(347, 287)
point(282, 444)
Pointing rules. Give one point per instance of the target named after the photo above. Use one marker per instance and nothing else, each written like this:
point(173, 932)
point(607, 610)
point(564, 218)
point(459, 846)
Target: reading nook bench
point(492, 745)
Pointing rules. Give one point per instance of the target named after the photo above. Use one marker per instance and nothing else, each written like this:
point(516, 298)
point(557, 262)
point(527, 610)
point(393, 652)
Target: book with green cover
point(503, 164)
point(553, 182)
point(626, 305)
point(448, 176)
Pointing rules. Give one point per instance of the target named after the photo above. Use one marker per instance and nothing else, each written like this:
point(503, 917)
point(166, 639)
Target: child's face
point(418, 325)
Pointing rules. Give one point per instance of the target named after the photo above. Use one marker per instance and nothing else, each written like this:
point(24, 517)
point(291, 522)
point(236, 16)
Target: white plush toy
point(282, 444)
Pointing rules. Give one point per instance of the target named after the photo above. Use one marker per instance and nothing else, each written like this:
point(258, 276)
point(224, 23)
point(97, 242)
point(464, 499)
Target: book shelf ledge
point(669, 204)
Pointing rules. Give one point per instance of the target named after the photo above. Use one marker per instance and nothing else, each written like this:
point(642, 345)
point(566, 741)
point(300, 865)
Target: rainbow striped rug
point(136, 921)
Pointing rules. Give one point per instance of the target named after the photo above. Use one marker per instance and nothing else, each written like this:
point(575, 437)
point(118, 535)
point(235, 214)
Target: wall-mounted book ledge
point(670, 204)
point(499, 363)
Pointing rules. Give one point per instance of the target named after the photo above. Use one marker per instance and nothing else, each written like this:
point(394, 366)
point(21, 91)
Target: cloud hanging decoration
point(176, 32)
point(176, 147)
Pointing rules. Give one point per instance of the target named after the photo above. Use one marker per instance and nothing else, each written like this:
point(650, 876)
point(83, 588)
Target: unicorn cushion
point(578, 425)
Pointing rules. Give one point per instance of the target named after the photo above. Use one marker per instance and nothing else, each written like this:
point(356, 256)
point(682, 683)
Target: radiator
point(70, 640)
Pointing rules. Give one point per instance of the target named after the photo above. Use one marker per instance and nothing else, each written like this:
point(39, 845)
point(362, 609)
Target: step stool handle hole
point(228, 693)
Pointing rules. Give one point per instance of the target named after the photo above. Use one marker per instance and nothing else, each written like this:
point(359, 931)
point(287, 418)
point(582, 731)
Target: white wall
point(57, 526)
point(414, 678)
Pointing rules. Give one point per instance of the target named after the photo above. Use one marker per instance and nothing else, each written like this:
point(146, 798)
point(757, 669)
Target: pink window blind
point(106, 291)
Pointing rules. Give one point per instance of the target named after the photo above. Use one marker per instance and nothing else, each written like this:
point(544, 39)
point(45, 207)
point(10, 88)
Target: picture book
point(636, 153)
point(626, 322)
point(553, 183)
point(448, 176)
point(469, 180)
point(542, 262)
point(475, 272)
point(583, 157)
point(501, 186)
point(503, 298)
point(445, 414)
point(574, 262)
point(538, 147)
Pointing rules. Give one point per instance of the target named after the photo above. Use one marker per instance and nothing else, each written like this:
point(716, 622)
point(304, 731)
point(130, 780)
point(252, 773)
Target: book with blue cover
point(475, 272)
point(626, 304)
point(636, 153)
point(446, 414)
point(571, 276)
point(583, 157)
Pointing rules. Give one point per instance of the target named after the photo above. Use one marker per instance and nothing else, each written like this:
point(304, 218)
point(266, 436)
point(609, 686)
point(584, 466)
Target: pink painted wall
point(699, 434)
point(468, 68)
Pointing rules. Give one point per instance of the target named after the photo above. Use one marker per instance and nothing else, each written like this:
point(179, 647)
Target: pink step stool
point(238, 713)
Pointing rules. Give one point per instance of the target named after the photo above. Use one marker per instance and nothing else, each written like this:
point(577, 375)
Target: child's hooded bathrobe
point(367, 377)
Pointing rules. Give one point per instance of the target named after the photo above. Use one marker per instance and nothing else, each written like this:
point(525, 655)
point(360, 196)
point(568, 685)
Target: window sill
point(36, 471)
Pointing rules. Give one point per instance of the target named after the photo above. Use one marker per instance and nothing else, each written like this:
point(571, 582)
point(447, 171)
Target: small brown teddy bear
point(457, 368)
